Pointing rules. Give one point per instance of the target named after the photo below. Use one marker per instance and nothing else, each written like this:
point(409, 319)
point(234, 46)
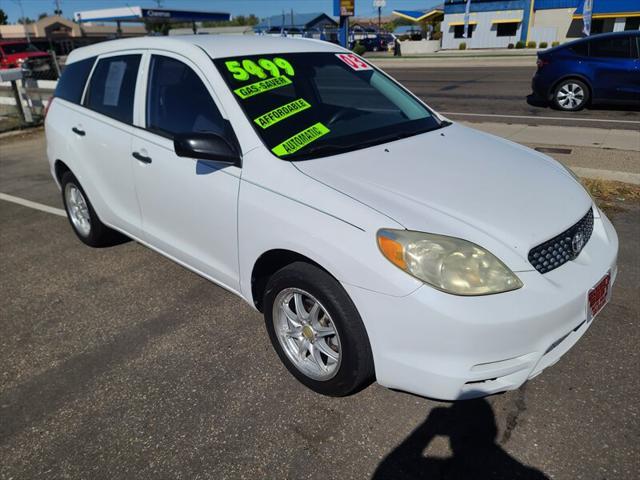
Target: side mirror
point(205, 146)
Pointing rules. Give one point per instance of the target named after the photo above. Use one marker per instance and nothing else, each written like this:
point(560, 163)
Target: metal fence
point(25, 92)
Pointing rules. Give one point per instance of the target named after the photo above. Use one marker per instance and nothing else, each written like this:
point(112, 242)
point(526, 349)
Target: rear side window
point(617, 47)
point(74, 76)
point(178, 101)
point(112, 88)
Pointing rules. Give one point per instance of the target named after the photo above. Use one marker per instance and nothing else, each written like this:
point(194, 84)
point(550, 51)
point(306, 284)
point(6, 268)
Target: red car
point(14, 53)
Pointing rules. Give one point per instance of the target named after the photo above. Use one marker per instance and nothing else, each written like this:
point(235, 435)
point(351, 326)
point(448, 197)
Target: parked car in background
point(378, 239)
point(600, 69)
point(14, 54)
point(372, 44)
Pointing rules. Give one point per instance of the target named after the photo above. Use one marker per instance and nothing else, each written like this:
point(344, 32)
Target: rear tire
point(571, 95)
point(317, 331)
point(82, 217)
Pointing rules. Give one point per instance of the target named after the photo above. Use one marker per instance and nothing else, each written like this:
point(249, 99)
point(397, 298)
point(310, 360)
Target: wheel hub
point(308, 332)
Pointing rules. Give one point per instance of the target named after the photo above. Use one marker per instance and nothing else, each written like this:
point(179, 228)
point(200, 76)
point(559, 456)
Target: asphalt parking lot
point(118, 363)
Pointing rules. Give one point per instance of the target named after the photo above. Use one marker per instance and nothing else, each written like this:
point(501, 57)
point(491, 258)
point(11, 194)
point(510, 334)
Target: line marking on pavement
point(602, 120)
point(35, 205)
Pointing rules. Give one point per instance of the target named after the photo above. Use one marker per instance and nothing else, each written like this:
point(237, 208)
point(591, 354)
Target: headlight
point(449, 264)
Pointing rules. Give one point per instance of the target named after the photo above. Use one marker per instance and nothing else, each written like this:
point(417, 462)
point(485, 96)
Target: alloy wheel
point(570, 96)
point(307, 334)
point(77, 209)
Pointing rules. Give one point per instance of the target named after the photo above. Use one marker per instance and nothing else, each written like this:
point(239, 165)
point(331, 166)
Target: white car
point(380, 240)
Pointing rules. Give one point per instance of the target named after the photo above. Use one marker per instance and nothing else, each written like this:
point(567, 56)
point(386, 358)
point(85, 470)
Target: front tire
point(317, 331)
point(82, 217)
point(571, 95)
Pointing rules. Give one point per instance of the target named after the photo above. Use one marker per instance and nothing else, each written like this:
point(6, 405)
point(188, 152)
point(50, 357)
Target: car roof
point(216, 46)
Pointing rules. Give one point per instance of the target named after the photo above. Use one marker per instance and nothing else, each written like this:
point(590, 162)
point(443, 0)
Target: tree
point(25, 20)
point(239, 20)
point(42, 15)
point(3, 17)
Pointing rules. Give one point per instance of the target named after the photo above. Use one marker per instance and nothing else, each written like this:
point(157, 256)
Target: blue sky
point(261, 8)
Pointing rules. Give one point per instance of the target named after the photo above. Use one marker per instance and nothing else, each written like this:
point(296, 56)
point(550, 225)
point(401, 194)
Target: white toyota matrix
point(380, 240)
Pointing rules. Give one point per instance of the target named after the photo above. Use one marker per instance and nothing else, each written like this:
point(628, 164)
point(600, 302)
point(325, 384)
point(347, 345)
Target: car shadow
point(536, 101)
point(471, 428)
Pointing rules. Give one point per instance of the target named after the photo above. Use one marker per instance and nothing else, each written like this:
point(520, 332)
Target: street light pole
point(24, 21)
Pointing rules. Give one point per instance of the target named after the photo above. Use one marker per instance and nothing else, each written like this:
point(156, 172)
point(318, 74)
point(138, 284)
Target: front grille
point(564, 247)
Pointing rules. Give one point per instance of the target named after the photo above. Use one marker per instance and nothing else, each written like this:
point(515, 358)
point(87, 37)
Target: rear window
point(74, 76)
point(112, 87)
point(14, 48)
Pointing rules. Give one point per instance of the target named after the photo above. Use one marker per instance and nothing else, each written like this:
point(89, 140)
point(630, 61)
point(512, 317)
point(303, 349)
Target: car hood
point(461, 182)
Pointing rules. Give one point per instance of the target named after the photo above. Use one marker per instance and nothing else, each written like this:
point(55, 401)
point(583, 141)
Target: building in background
point(297, 24)
point(498, 23)
point(62, 35)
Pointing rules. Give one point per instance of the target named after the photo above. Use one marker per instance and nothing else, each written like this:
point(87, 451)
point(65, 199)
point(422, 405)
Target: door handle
point(77, 131)
point(140, 157)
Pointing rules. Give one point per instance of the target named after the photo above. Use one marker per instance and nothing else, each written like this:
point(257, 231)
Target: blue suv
point(599, 69)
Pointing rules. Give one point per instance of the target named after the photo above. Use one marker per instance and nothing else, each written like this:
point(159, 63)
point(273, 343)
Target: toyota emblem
point(577, 243)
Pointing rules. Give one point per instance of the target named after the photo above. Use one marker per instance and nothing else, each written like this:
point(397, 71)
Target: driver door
point(188, 206)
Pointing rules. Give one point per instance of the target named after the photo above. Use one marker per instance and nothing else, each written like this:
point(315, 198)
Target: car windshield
point(13, 48)
point(307, 105)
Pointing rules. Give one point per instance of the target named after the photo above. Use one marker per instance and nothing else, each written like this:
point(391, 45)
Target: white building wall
point(484, 33)
point(543, 20)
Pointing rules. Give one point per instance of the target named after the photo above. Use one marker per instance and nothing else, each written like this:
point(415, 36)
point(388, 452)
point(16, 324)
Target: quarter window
point(74, 76)
point(616, 47)
point(178, 101)
point(112, 88)
point(580, 48)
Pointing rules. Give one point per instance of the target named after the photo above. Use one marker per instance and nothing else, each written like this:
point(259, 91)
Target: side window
point(112, 88)
point(178, 101)
point(616, 47)
point(74, 76)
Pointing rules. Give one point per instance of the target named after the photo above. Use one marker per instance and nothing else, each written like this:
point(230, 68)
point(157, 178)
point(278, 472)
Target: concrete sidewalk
point(603, 138)
point(604, 154)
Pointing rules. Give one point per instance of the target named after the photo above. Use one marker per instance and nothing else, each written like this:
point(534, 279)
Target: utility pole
point(379, 4)
point(58, 10)
point(24, 20)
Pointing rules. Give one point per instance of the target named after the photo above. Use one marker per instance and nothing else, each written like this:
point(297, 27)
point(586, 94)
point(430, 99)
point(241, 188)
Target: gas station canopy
point(435, 14)
point(139, 14)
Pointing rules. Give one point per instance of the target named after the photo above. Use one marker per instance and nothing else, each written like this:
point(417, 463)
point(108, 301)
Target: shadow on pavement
point(471, 428)
point(536, 101)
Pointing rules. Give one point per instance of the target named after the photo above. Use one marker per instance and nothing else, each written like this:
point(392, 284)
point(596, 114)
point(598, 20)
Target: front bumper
point(451, 347)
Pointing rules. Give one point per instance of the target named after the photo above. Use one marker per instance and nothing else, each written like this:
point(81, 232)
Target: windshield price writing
point(243, 69)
